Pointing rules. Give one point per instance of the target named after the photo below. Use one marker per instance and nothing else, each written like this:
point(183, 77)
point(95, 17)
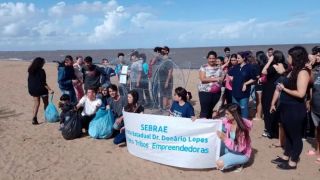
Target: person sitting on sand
point(90, 105)
point(132, 106)
point(66, 106)
point(116, 103)
point(235, 139)
point(180, 106)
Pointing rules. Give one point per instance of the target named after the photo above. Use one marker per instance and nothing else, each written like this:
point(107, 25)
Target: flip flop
point(311, 153)
point(276, 145)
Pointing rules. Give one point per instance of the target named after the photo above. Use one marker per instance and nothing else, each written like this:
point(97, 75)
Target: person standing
point(91, 74)
point(78, 87)
point(268, 87)
point(67, 78)
point(242, 76)
point(37, 86)
point(211, 77)
point(166, 79)
point(293, 107)
point(314, 102)
point(108, 73)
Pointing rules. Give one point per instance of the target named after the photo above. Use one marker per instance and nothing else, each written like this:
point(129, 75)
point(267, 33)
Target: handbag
point(215, 88)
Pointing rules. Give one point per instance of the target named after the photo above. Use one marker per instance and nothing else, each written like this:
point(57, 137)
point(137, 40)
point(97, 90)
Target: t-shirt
point(240, 76)
point(185, 110)
point(117, 106)
point(209, 71)
point(164, 69)
point(136, 67)
point(315, 100)
point(91, 77)
point(89, 107)
point(108, 72)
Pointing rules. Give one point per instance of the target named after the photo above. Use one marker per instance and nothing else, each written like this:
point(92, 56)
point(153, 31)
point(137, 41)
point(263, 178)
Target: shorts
point(258, 87)
point(315, 118)
point(166, 92)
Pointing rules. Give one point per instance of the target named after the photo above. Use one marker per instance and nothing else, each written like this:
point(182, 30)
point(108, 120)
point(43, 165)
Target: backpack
point(51, 112)
point(101, 126)
point(72, 128)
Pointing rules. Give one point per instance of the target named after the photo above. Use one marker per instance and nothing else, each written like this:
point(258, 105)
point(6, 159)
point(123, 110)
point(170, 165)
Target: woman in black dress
point(37, 86)
point(268, 88)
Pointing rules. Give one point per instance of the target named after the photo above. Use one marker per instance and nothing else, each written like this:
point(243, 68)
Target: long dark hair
point(36, 65)
point(132, 107)
point(261, 58)
point(235, 111)
point(299, 56)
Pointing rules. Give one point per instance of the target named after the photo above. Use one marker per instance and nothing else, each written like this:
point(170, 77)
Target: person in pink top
point(235, 139)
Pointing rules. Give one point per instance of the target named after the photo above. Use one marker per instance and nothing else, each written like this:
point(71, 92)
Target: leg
point(232, 159)
point(36, 104)
point(244, 107)
point(205, 105)
point(316, 120)
point(282, 135)
point(318, 139)
point(45, 101)
point(258, 105)
point(120, 138)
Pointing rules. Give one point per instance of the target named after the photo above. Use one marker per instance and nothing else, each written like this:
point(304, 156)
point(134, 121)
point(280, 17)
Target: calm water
point(183, 57)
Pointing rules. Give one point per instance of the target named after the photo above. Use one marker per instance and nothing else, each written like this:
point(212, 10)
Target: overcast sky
point(51, 25)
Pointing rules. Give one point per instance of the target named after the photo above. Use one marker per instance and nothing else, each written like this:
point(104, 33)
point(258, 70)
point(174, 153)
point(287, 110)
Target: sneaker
point(266, 134)
point(279, 160)
point(238, 169)
point(286, 166)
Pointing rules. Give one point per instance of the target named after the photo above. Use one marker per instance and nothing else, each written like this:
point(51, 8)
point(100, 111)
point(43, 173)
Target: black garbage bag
point(72, 127)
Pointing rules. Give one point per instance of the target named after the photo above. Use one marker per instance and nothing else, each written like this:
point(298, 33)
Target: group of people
point(281, 88)
point(285, 92)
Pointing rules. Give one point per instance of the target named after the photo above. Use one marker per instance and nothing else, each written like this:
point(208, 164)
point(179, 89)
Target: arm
point(205, 80)
point(62, 77)
point(274, 100)
point(169, 76)
point(264, 70)
point(139, 78)
point(244, 87)
point(302, 85)
point(81, 102)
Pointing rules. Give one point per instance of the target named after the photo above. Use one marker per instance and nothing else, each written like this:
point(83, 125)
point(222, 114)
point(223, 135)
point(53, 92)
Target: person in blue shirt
point(180, 106)
point(242, 76)
point(108, 73)
point(67, 78)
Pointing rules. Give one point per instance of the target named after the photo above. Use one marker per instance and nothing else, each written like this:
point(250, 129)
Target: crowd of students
point(284, 91)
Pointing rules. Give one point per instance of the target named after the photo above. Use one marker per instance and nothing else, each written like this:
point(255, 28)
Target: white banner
point(173, 141)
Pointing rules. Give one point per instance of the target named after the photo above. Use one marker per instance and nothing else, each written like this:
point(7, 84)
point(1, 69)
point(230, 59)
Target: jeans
point(71, 93)
point(231, 158)
point(243, 103)
point(120, 138)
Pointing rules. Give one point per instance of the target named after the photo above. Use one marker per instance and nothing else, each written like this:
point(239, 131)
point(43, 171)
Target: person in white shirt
point(90, 105)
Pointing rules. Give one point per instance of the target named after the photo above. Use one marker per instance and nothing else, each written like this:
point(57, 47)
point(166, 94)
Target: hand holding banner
point(173, 141)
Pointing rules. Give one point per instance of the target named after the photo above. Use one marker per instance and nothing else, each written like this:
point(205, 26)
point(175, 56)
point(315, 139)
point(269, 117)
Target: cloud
point(79, 20)
point(111, 26)
point(58, 10)
point(141, 18)
point(13, 12)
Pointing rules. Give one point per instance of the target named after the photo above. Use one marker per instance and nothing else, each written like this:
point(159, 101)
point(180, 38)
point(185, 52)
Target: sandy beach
point(40, 152)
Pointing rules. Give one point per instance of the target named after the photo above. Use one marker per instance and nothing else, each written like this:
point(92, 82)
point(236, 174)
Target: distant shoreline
point(188, 57)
